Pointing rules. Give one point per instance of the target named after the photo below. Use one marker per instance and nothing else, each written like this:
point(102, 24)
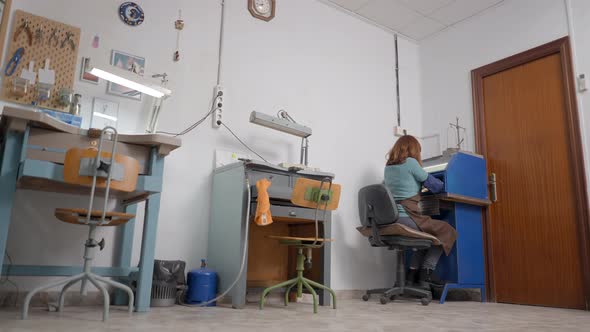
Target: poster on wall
point(132, 63)
point(104, 113)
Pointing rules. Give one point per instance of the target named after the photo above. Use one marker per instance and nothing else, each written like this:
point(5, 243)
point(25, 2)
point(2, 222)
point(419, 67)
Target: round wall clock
point(131, 13)
point(262, 9)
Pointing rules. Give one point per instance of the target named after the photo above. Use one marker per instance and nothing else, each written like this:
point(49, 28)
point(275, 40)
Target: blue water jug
point(202, 285)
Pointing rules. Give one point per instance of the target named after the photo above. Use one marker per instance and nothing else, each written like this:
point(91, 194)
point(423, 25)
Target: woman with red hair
point(404, 177)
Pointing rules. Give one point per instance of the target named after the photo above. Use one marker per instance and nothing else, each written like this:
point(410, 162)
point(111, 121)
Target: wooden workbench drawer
point(49, 145)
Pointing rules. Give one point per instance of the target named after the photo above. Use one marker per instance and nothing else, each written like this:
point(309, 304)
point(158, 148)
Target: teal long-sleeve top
point(404, 181)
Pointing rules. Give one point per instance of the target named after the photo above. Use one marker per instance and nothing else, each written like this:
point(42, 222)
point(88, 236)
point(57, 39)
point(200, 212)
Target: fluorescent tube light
point(129, 80)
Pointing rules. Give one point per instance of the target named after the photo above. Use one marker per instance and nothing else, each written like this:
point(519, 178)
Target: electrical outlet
point(582, 86)
point(399, 131)
point(217, 118)
point(219, 91)
point(219, 97)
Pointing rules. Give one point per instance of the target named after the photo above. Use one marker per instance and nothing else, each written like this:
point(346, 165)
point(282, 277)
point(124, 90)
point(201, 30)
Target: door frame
point(562, 47)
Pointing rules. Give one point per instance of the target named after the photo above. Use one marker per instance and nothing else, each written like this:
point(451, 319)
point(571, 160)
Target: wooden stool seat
point(396, 229)
point(79, 217)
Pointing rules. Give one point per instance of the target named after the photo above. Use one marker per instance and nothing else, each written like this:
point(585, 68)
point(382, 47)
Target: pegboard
point(62, 60)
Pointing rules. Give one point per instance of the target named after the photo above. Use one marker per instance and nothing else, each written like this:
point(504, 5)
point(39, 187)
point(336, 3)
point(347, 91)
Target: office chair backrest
point(377, 203)
point(129, 167)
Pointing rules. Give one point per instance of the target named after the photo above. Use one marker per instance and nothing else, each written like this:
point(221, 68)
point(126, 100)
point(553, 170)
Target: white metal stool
point(87, 167)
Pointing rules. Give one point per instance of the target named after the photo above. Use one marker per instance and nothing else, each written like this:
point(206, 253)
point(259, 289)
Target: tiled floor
point(352, 315)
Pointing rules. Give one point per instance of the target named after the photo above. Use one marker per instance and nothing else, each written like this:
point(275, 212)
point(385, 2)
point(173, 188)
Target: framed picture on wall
point(132, 63)
point(85, 75)
point(104, 113)
point(4, 15)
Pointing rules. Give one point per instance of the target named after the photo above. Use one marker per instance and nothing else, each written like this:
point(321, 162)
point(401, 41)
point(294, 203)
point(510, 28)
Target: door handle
point(493, 188)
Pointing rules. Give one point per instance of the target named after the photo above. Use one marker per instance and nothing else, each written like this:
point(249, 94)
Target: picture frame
point(5, 7)
point(104, 113)
point(132, 63)
point(85, 75)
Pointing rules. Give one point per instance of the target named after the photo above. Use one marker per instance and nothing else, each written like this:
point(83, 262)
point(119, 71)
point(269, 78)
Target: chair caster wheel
point(425, 301)
point(383, 300)
point(365, 297)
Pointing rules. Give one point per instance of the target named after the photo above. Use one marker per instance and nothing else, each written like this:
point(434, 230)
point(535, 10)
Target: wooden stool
point(322, 197)
point(88, 167)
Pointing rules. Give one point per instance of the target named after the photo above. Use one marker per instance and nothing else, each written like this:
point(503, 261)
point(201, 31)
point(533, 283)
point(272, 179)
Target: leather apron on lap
point(442, 230)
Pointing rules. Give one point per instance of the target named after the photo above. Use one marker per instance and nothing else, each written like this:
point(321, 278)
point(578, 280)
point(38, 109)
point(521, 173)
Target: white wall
point(581, 47)
point(446, 59)
point(329, 70)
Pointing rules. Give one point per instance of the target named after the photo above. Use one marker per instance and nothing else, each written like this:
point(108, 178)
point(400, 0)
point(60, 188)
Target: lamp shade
point(279, 124)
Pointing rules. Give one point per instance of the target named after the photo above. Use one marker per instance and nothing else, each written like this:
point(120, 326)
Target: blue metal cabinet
point(465, 196)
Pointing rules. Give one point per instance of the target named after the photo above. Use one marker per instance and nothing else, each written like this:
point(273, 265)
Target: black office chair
point(378, 211)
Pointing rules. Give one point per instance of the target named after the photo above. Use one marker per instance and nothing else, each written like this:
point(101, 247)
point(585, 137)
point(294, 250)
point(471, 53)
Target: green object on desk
point(315, 195)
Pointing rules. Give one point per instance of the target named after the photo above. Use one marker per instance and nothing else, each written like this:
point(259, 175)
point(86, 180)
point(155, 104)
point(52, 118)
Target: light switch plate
point(582, 83)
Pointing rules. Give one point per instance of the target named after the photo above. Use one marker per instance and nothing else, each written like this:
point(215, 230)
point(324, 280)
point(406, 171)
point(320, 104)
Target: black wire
point(196, 124)
point(244, 144)
point(191, 127)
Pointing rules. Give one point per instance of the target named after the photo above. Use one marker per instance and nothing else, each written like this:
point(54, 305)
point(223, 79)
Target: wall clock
point(262, 9)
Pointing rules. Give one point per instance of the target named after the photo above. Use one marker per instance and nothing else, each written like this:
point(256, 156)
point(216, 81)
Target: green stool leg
point(313, 294)
point(277, 286)
point(300, 268)
point(287, 293)
point(317, 285)
point(300, 282)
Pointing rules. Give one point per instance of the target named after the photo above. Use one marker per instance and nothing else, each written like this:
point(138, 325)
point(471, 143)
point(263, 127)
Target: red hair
point(406, 147)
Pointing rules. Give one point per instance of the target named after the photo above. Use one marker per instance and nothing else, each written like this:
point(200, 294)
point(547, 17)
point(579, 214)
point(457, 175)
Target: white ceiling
point(416, 19)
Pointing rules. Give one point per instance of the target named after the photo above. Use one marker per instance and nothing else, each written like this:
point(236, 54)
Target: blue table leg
point(445, 292)
point(452, 286)
point(125, 250)
point(148, 246)
point(148, 242)
point(9, 164)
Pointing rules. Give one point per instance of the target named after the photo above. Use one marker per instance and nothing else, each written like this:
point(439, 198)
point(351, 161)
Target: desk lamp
point(133, 81)
point(285, 123)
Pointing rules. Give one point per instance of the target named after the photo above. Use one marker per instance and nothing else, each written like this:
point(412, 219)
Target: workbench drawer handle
point(292, 213)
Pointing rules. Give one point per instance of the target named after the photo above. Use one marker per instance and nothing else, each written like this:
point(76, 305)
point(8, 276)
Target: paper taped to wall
point(226, 157)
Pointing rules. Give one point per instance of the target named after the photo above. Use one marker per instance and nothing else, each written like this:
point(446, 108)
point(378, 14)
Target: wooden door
point(536, 228)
